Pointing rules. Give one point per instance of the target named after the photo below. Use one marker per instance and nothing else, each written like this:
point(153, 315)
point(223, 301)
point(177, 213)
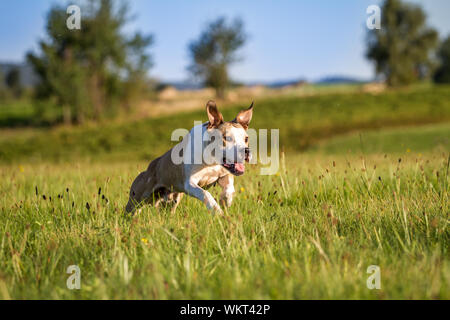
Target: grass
point(16, 113)
point(361, 183)
point(395, 140)
point(309, 232)
point(303, 123)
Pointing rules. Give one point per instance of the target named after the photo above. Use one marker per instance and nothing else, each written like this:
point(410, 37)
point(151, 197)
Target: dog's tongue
point(239, 167)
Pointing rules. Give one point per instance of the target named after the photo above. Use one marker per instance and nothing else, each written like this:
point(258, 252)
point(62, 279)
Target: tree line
point(403, 49)
point(94, 72)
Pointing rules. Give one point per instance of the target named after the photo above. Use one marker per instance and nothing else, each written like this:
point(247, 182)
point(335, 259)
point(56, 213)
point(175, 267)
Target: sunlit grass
point(303, 123)
point(309, 232)
point(398, 140)
point(361, 184)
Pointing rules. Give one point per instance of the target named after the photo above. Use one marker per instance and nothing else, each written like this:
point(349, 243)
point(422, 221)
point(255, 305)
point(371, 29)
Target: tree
point(87, 71)
point(3, 91)
point(214, 51)
point(401, 48)
point(12, 81)
point(442, 74)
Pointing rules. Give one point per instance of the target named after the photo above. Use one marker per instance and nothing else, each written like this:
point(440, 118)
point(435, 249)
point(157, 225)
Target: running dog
point(166, 180)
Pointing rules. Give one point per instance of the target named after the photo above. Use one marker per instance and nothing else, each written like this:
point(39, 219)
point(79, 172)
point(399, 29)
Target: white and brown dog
point(165, 180)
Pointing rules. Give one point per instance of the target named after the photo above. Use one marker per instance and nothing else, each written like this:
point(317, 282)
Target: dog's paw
point(226, 202)
point(217, 210)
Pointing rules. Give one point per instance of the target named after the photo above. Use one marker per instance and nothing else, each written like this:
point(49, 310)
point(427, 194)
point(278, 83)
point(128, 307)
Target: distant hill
point(325, 80)
point(284, 83)
point(181, 85)
point(28, 78)
point(340, 80)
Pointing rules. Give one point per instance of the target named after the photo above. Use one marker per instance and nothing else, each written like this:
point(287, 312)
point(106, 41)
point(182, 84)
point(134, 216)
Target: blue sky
point(288, 38)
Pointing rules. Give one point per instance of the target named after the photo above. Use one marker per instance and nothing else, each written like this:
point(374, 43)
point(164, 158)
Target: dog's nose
point(247, 154)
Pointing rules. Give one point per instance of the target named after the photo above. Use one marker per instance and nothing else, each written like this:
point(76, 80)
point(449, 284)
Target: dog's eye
point(228, 139)
point(246, 139)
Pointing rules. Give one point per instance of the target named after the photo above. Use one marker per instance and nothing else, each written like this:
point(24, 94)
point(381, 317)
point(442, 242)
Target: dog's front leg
point(227, 184)
point(195, 191)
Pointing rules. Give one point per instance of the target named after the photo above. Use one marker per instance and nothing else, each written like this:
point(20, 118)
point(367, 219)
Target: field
point(363, 181)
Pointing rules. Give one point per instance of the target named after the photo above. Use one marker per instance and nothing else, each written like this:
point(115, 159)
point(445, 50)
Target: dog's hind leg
point(168, 199)
point(176, 198)
point(160, 196)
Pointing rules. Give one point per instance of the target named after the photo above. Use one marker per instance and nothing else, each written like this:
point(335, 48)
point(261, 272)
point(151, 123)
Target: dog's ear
point(244, 117)
point(214, 116)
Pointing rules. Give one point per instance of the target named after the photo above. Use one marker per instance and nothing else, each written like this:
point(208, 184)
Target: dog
point(165, 181)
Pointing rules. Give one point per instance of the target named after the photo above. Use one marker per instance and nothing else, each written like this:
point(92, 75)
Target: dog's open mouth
point(235, 168)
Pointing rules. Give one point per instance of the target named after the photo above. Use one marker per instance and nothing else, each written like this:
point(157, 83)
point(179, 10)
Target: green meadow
point(363, 181)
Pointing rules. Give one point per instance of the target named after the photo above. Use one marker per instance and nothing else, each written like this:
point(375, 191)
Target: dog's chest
point(210, 175)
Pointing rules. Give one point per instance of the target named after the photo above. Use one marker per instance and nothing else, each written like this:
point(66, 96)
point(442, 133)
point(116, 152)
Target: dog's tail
point(136, 192)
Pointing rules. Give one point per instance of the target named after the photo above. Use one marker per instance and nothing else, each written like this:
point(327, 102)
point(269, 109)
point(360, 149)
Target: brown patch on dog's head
point(244, 117)
point(234, 137)
point(214, 116)
point(226, 126)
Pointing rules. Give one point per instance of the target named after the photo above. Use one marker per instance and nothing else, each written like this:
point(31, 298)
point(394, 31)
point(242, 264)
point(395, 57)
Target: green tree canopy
point(215, 50)
point(442, 74)
point(12, 80)
point(88, 71)
point(401, 48)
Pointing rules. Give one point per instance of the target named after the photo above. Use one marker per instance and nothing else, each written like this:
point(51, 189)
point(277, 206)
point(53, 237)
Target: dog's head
point(234, 149)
